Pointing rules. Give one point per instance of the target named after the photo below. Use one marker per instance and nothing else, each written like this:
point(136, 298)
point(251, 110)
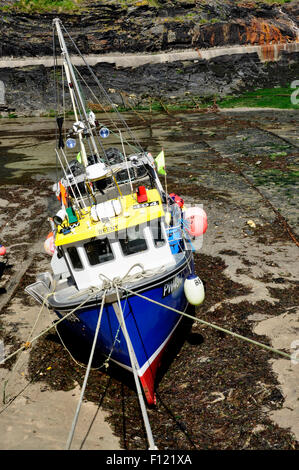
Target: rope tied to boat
point(212, 325)
point(118, 281)
point(75, 420)
point(135, 366)
point(25, 345)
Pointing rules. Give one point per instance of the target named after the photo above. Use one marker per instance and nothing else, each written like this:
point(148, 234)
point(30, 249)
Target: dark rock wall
point(106, 26)
point(109, 26)
point(30, 89)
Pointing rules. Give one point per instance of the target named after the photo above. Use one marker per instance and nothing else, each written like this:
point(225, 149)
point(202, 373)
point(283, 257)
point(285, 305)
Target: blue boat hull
point(149, 326)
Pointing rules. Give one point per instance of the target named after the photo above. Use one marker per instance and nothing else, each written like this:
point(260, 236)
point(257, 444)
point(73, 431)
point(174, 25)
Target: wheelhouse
point(110, 254)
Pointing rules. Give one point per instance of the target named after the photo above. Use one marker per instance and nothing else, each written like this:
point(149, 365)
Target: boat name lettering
point(111, 228)
point(172, 285)
point(146, 204)
point(72, 317)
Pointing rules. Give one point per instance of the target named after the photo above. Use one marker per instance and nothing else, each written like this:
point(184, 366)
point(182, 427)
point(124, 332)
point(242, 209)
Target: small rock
point(204, 359)
point(251, 224)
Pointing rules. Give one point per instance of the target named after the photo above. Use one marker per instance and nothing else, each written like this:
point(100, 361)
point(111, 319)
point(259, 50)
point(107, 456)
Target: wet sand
point(33, 417)
point(242, 167)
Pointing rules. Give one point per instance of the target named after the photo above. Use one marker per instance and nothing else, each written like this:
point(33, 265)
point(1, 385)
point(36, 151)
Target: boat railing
point(174, 234)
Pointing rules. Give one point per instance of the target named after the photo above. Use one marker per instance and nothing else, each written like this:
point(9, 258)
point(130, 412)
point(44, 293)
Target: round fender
point(197, 221)
point(194, 290)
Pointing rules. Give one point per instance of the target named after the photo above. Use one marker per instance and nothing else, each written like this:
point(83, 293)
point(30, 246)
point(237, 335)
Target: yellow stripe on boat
point(132, 214)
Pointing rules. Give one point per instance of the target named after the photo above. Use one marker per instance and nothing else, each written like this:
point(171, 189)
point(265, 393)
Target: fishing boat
point(121, 251)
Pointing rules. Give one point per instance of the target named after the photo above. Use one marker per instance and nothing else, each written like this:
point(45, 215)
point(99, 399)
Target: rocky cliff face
point(135, 27)
point(111, 26)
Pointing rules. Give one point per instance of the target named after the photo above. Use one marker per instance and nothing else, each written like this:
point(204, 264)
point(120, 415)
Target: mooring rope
point(117, 283)
point(26, 346)
point(135, 368)
point(75, 420)
point(28, 343)
point(212, 325)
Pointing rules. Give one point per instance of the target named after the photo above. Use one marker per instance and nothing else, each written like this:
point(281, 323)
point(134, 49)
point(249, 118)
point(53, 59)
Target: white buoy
point(194, 290)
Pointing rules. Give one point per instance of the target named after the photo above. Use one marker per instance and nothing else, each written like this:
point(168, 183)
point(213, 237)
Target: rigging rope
point(103, 90)
point(115, 134)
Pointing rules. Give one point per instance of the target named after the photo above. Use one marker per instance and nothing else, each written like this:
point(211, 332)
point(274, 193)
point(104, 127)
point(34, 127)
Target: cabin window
point(157, 233)
point(132, 241)
point(75, 258)
point(98, 251)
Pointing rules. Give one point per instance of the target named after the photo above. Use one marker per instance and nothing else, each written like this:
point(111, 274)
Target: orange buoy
point(49, 245)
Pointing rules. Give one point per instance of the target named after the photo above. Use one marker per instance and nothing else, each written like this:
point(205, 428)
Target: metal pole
point(134, 363)
point(65, 174)
point(123, 147)
point(64, 51)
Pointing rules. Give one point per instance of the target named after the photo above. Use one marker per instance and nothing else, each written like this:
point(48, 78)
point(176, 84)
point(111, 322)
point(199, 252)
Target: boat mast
point(74, 92)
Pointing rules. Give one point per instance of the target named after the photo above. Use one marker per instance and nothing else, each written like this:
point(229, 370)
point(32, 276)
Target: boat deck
point(66, 294)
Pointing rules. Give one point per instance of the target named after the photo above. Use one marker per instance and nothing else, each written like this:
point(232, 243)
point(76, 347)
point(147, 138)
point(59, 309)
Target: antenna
point(75, 94)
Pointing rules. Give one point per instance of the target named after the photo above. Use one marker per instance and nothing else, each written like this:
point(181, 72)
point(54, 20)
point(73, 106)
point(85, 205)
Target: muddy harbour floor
point(214, 391)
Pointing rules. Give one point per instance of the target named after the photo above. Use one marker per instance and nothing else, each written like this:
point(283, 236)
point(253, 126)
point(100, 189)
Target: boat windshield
point(157, 233)
point(98, 251)
point(133, 241)
point(75, 258)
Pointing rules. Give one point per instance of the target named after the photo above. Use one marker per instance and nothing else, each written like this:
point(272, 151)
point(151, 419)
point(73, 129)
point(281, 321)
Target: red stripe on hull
point(148, 379)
